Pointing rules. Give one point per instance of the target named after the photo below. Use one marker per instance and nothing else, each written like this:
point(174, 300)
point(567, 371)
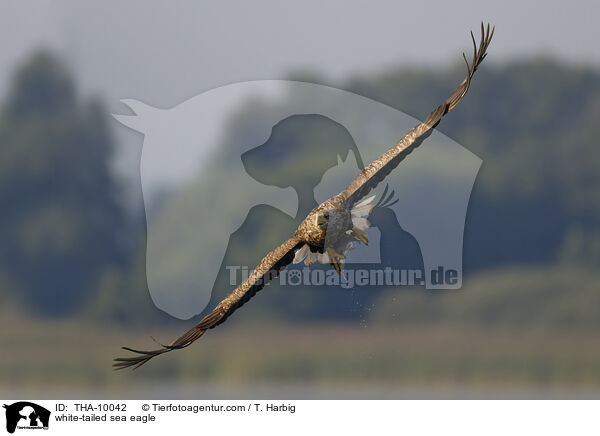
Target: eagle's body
point(337, 219)
point(313, 234)
point(330, 229)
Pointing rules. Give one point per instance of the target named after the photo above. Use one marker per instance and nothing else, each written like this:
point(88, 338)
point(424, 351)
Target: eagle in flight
point(330, 229)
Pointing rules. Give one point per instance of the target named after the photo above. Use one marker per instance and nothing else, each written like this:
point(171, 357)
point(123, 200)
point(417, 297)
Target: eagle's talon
point(361, 235)
point(335, 258)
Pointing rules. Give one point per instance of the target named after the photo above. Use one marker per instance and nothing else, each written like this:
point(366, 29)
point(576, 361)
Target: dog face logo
point(26, 415)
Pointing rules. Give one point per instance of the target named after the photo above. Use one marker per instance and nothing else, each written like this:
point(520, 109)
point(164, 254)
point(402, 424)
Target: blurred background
point(526, 323)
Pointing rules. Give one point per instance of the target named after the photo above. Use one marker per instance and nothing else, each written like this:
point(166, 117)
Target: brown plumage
point(329, 229)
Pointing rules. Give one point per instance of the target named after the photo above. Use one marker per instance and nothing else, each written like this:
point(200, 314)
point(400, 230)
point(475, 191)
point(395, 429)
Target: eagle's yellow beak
point(321, 220)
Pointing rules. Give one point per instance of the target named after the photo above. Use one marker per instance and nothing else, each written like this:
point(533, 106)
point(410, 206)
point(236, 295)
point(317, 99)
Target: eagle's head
point(322, 220)
point(317, 226)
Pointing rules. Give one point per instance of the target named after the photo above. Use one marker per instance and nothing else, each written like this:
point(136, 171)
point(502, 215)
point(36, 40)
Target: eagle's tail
point(389, 200)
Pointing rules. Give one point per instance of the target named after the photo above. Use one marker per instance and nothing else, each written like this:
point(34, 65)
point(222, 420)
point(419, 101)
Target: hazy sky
point(163, 53)
point(166, 52)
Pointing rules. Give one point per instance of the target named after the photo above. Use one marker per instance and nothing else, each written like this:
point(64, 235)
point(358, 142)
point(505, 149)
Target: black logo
point(26, 415)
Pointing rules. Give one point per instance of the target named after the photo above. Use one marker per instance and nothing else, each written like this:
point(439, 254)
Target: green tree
point(61, 224)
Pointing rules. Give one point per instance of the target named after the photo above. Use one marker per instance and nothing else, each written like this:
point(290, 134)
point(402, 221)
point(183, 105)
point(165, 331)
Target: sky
point(164, 53)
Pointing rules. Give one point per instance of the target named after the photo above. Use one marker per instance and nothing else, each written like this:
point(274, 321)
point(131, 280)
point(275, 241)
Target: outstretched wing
point(377, 170)
point(267, 269)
